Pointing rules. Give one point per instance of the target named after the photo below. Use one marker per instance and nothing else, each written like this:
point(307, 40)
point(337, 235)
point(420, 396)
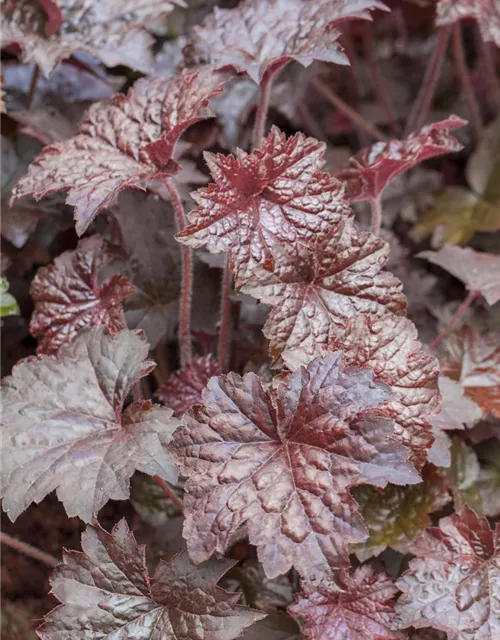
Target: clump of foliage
point(257, 340)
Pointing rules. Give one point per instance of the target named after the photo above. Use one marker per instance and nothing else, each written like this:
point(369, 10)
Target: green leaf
point(8, 304)
point(397, 514)
point(464, 473)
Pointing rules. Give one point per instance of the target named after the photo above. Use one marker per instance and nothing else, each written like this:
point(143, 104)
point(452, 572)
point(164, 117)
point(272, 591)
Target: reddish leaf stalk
point(354, 116)
point(486, 64)
point(168, 492)
point(27, 550)
point(463, 73)
point(378, 85)
point(225, 318)
point(262, 109)
point(185, 346)
point(472, 295)
point(376, 205)
point(33, 85)
point(422, 104)
point(160, 373)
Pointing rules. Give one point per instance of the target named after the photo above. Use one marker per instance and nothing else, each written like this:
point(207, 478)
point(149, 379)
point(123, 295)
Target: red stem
point(262, 109)
point(463, 72)
point(487, 62)
point(376, 215)
point(28, 550)
point(378, 85)
point(225, 318)
point(169, 492)
point(354, 116)
point(422, 104)
point(186, 350)
point(472, 295)
point(33, 85)
point(160, 373)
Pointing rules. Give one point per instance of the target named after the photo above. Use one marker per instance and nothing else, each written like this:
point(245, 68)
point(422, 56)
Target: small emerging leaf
point(8, 304)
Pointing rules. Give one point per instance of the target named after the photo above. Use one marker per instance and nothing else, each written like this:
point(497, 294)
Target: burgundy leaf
point(374, 167)
point(478, 271)
point(355, 606)
point(64, 427)
point(68, 296)
point(121, 143)
point(183, 388)
point(314, 293)
point(106, 591)
point(260, 201)
point(486, 12)
point(473, 360)
point(456, 410)
point(282, 460)
point(261, 36)
point(114, 31)
point(452, 585)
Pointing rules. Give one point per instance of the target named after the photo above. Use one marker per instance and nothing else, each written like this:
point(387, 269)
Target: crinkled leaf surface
point(355, 606)
point(8, 304)
point(456, 411)
point(261, 201)
point(114, 31)
point(282, 461)
point(314, 292)
point(396, 515)
point(184, 387)
point(478, 271)
point(474, 360)
point(454, 583)
point(121, 143)
point(260, 36)
point(64, 429)
point(486, 12)
point(374, 167)
point(106, 592)
point(69, 298)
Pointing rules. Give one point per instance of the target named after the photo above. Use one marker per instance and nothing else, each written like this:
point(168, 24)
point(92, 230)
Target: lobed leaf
point(106, 591)
point(282, 462)
point(486, 12)
point(64, 427)
point(453, 583)
point(121, 143)
point(69, 298)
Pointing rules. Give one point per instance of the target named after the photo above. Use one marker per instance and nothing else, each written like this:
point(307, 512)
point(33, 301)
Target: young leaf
point(355, 606)
point(282, 461)
point(261, 201)
point(114, 32)
point(121, 143)
point(396, 515)
point(8, 304)
point(474, 360)
point(456, 410)
point(68, 296)
point(452, 585)
point(64, 426)
point(106, 591)
point(184, 387)
point(486, 12)
point(259, 37)
point(314, 293)
point(478, 271)
point(374, 167)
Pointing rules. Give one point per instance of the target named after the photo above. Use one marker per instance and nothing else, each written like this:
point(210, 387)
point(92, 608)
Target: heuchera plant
point(310, 411)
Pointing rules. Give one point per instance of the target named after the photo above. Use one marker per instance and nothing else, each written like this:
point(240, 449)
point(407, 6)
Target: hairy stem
point(463, 73)
point(422, 104)
point(27, 550)
point(472, 295)
point(376, 205)
point(378, 85)
point(185, 346)
point(32, 89)
point(262, 109)
point(354, 116)
point(225, 318)
point(170, 493)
